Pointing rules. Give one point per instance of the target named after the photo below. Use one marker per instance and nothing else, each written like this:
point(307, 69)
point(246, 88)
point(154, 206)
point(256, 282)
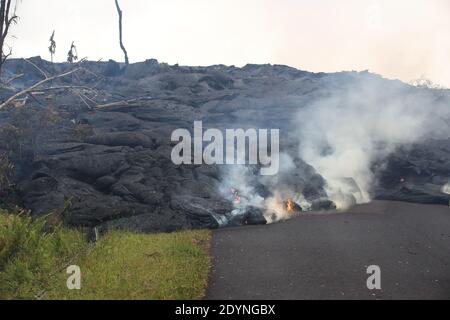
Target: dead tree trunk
point(120, 33)
point(5, 22)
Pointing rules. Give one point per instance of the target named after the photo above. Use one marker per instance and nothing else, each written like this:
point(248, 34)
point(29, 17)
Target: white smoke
point(236, 179)
point(446, 188)
point(342, 135)
point(238, 186)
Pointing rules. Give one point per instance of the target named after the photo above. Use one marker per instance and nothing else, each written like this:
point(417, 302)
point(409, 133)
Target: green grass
point(30, 253)
point(122, 265)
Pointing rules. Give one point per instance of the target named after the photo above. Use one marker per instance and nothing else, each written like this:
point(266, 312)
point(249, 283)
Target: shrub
point(30, 253)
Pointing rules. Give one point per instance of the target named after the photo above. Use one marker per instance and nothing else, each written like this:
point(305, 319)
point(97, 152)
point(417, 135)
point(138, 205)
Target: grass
point(122, 265)
point(29, 253)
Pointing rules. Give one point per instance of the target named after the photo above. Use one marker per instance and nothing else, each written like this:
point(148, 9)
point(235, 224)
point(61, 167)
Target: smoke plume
point(342, 135)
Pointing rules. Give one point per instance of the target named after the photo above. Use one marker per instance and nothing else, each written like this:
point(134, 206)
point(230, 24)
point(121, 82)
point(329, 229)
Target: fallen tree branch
point(17, 76)
point(82, 98)
point(62, 88)
point(86, 94)
point(89, 99)
point(117, 103)
point(37, 68)
point(30, 89)
point(123, 102)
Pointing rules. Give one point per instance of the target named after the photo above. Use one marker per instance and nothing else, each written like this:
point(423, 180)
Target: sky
point(401, 39)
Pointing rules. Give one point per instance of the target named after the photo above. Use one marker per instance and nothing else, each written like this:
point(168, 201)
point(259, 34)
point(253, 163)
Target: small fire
point(402, 179)
point(290, 205)
point(237, 197)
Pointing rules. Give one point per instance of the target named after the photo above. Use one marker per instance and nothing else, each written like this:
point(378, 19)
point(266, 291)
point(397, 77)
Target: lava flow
point(236, 196)
point(290, 205)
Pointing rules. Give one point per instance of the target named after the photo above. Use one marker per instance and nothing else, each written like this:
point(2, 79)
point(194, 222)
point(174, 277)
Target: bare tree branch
point(30, 89)
point(17, 76)
point(126, 103)
point(37, 68)
point(119, 11)
point(63, 88)
point(5, 22)
point(82, 98)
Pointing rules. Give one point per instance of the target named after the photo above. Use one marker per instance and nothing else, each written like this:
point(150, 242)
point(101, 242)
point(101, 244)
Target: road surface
point(326, 255)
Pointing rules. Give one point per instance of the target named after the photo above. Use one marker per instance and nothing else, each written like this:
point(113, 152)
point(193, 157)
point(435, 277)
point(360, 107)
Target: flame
point(289, 205)
point(277, 208)
point(237, 197)
point(402, 179)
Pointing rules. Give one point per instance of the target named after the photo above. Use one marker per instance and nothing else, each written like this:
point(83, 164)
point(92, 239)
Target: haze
point(403, 39)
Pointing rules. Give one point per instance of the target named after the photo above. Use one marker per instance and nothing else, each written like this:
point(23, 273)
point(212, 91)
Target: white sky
point(402, 39)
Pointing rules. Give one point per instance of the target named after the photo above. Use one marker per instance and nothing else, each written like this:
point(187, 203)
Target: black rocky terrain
point(112, 165)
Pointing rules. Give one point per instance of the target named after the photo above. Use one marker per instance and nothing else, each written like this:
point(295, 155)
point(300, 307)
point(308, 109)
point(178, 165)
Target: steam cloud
point(341, 136)
point(446, 188)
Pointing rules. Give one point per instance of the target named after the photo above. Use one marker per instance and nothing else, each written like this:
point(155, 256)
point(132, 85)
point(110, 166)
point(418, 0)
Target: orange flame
point(289, 205)
point(237, 197)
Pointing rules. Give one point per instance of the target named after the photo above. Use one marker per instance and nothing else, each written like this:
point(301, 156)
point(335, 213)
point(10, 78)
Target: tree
point(7, 17)
point(72, 55)
point(52, 47)
point(120, 33)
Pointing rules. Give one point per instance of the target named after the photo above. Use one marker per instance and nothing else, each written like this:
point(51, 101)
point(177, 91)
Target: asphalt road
point(325, 256)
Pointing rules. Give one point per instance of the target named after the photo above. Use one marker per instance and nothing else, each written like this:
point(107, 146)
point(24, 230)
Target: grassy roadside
point(122, 265)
